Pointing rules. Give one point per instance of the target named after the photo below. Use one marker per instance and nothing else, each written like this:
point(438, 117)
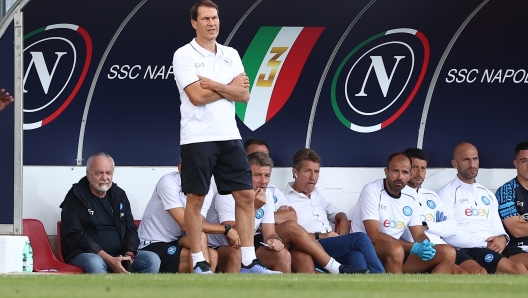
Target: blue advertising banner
point(355, 81)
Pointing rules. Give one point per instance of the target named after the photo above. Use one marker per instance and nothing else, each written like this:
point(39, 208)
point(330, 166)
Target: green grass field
point(291, 286)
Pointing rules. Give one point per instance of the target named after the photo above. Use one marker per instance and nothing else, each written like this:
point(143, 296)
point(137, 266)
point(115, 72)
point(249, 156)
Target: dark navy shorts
point(225, 160)
point(512, 250)
point(461, 257)
point(486, 258)
point(169, 254)
point(258, 238)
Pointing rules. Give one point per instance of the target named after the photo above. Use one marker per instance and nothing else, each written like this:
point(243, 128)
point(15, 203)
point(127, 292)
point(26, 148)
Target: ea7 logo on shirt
point(90, 211)
point(57, 59)
point(227, 61)
point(486, 200)
point(198, 65)
point(259, 214)
point(431, 204)
point(464, 200)
point(379, 78)
point(407, 211)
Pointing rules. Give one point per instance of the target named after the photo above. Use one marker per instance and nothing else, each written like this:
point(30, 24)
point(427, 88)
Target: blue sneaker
point(202, 268)
point(257, 267)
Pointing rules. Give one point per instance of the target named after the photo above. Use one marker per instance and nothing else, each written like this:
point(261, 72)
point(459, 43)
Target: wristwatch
point(425, 226)
point(227, 228)
point(316, 234)
point(507, 238)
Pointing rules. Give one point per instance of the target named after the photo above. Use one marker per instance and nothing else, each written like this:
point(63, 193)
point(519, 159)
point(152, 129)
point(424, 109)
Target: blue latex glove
point(440, 216)
point(424, 250)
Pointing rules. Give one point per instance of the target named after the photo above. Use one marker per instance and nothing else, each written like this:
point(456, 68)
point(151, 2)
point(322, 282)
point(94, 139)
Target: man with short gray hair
point(98, 230)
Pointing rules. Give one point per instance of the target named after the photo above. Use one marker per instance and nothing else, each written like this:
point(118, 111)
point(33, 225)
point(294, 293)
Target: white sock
point(197, 257)
point(333, 266)
point(248, 255)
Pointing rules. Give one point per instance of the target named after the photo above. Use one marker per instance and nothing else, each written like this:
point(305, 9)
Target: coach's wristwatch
point(227, 228)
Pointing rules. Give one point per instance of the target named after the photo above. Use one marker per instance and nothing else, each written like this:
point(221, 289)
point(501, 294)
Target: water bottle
point(27, 258)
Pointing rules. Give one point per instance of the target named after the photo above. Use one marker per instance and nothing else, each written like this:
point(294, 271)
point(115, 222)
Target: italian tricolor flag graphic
point(273, 62)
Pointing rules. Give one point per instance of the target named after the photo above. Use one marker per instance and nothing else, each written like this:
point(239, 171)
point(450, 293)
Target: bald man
point(479, 233)
point(385, 209)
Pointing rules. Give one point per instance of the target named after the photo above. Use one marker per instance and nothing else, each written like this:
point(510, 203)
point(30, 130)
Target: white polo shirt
point(475, 209)
point(314, 213)
point(157, 225)
point(278, 197)
point(214, 121)
point(224, 210)
point(430, 204)
point(394, 214)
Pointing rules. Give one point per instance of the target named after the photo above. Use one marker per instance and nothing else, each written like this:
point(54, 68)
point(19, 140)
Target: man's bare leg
point(391, 255)
point(458, 270)
point(245, 223)
point(193, 221)
point(213, 258)
point(229, 259)
point(185, 261)
point(293, 234)
point(507, 266)
point(275, 260)
point(301, 262)
point(472, 267)
point(193, 224)
point(245, 215)
point(520, 258)
point(185, 243)
point(443, 261)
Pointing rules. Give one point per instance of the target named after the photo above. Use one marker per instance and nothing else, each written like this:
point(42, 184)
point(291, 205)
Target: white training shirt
point(430, 205)
point(394, 214)
point(214, 121)
point(314, 213)
point(476, 213)
point(278, 197)
point(157, 225)
point(224, 210)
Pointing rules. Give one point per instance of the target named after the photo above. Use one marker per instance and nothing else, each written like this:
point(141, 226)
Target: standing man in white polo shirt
point(210, 78)
point(479, 231)
point(385, 208)
point(314, 214)
point(438, 222)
